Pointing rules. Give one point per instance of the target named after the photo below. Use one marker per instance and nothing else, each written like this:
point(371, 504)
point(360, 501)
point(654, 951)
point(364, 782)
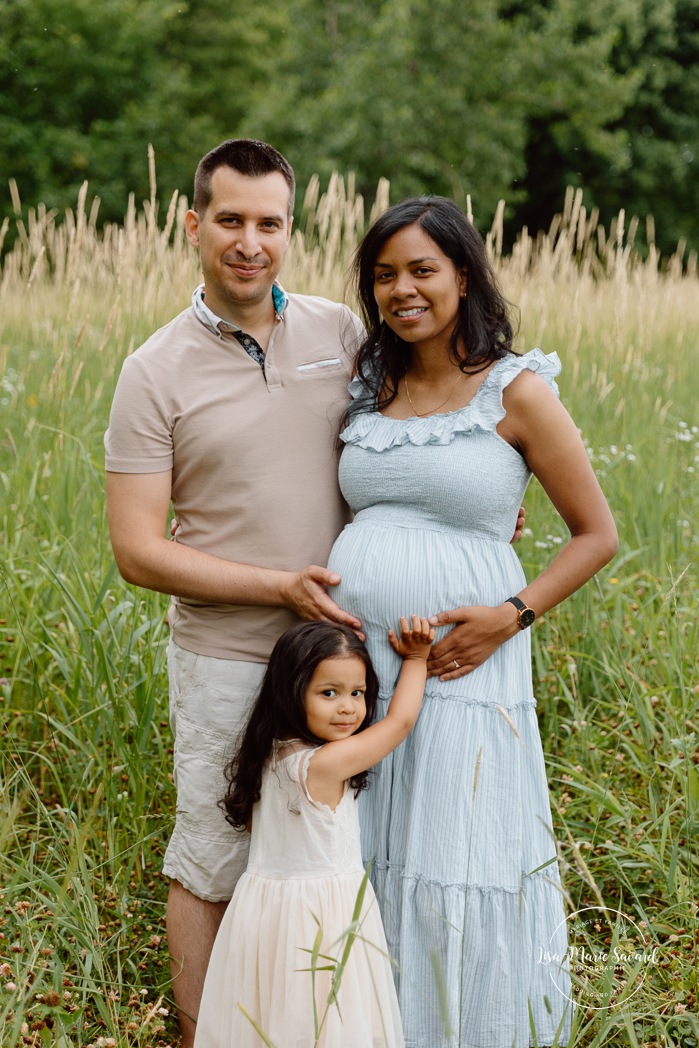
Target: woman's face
point(418, 288)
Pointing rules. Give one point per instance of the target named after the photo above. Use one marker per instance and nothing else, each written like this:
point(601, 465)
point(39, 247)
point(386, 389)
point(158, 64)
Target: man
point(230, 413)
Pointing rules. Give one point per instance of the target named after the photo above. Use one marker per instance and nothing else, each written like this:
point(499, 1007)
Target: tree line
point(513, 99)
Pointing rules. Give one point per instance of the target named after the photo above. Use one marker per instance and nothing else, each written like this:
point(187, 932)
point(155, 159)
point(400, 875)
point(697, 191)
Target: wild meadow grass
point(86, 797)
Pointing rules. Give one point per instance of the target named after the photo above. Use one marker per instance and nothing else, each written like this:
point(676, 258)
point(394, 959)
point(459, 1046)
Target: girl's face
point(418, 288)
point(335, 705)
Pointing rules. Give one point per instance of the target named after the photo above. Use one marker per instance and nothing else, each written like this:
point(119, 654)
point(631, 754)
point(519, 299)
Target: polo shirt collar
point(221, 327)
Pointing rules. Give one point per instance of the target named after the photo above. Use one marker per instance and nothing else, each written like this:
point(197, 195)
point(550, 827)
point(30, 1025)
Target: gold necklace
point(422, 414)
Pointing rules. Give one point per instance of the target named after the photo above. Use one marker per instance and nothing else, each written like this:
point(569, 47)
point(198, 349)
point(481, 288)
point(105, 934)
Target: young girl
point(299, 769)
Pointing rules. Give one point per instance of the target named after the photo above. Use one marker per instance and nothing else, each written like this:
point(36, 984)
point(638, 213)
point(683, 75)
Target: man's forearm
point(172, 568)
point(176, 569)
point(137, 509)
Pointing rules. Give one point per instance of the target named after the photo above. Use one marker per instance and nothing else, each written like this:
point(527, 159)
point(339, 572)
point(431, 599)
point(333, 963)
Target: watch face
point(526, 618)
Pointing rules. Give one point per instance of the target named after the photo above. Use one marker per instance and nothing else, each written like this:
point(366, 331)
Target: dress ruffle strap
point(376, 432)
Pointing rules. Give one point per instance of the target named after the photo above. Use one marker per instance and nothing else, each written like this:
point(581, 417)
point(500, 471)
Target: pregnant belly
point(389, 571)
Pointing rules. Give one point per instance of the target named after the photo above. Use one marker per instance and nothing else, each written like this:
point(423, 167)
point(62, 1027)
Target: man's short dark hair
point(248, 157)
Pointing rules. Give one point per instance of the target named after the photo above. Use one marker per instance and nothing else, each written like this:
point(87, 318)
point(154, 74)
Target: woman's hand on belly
point(477, 633)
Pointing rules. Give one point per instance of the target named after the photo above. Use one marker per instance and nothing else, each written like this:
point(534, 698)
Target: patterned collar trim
point(221, 327)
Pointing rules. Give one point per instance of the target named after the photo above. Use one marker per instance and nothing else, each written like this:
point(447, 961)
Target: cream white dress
point(305, 871)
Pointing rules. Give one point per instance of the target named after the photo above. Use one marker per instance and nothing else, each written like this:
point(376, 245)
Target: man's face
point(241, 238)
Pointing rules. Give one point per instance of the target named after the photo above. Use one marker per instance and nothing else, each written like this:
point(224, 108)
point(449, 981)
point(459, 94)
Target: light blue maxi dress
point(457, 820)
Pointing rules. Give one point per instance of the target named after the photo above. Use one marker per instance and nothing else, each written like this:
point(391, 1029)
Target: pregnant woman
point(446, 426)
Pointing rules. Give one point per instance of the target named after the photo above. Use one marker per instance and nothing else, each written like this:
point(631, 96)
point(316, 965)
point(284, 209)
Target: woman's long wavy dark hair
point(483, 331)
point(280, 708)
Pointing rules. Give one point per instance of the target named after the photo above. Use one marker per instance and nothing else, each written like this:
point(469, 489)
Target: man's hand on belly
point(305, 593)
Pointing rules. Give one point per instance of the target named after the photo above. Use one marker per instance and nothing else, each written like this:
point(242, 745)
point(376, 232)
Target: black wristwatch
point(525, 615)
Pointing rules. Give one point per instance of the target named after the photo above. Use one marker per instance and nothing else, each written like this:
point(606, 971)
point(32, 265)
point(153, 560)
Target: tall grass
point(86, 795)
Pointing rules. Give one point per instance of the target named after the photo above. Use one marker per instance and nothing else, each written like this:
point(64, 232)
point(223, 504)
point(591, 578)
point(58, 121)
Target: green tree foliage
point(83, 88)
point(400, 94)
point(645, 160)
point(511, 99)
point(227, 50)
point(440, 96)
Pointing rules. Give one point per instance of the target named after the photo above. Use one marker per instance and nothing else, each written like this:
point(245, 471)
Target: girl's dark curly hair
point(483, 331)
point(280, 708)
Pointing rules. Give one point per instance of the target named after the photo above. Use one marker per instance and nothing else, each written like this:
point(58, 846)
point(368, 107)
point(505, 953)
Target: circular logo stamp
point(598, 957)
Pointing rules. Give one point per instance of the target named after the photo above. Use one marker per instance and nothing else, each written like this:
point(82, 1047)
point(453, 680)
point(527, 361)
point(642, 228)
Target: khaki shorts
point(209, 704)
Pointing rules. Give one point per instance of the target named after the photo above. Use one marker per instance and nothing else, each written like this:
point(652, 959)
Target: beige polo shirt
point(253, 453)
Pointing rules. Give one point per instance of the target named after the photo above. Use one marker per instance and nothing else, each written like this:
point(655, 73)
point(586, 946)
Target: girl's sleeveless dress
point(457, 820)
point(304, 872)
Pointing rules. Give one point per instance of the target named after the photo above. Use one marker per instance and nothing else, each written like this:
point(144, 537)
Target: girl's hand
point(415, 640)
point(479, 631)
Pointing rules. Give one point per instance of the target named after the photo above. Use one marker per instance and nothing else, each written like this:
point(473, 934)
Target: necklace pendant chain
point(422, 414)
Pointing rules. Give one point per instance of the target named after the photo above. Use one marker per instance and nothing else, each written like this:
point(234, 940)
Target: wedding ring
point(456, 664)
